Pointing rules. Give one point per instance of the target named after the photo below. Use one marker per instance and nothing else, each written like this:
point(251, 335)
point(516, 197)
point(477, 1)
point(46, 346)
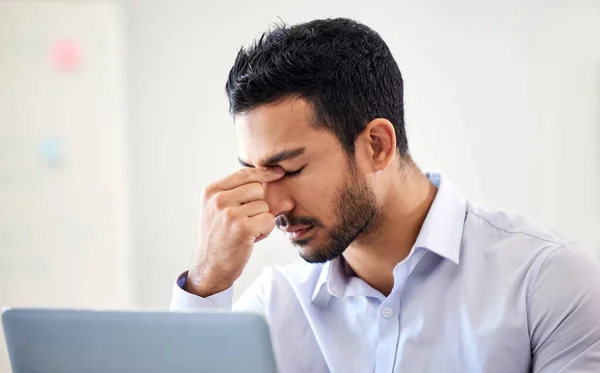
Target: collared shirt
point(482, 290)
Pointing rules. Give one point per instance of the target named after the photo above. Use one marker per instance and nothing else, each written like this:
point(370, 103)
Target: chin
point(312, 258)
point(317, 254)
point(305, 249)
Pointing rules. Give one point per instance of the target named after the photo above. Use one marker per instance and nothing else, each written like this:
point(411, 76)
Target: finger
point(250, 175)
point(262, 224)
point(261, 237)
point(244, 194)
point(254, 208)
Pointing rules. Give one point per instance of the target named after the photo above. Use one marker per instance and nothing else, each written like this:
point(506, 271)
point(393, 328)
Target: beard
point(355, 212)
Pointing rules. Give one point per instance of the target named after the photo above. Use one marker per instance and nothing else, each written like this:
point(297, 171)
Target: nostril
point(281, 221)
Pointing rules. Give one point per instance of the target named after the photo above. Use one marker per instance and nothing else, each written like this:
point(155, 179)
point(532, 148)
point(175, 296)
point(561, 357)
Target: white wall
point(572, 86)
point(63, 204)
point(503, 96)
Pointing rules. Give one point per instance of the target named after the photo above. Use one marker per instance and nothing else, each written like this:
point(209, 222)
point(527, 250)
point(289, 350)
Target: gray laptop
point(70, 341)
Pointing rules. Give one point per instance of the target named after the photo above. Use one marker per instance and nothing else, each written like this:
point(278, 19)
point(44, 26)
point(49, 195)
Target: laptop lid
point(75, 341)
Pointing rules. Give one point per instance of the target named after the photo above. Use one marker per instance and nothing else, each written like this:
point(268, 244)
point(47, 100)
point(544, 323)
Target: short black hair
point(341, 67)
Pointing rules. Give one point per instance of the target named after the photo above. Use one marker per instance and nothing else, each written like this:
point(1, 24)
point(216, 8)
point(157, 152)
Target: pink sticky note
point(66, 55)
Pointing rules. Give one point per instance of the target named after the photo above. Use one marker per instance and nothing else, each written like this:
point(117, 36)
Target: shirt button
point(388, 312)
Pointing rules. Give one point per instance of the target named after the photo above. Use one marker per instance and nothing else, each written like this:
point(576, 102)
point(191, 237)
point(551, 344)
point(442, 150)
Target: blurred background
point(113, 117)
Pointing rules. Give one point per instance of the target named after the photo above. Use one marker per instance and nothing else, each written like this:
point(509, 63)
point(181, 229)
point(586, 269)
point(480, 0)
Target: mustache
point(283, 221)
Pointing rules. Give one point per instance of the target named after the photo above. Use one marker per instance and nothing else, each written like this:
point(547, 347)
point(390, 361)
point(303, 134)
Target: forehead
point(271, 128)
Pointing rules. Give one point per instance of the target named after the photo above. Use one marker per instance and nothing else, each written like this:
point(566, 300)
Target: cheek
point(314, 196)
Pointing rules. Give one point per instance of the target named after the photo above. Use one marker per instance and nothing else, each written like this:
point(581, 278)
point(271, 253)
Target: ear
point(378, 143)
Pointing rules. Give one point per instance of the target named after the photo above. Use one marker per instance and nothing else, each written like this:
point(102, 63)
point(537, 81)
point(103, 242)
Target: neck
point(374, 255)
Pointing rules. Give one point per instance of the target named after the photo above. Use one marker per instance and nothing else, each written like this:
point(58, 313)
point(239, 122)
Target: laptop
point(76, 341)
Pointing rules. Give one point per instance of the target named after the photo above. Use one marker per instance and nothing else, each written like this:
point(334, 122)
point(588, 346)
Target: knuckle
point(248, 229)
point(264, 206)
point(208, 191)
point(243, 228)
point(270, 221)
point(259, 190)
point(220, 201)
point(246, 173)
point(230, 215)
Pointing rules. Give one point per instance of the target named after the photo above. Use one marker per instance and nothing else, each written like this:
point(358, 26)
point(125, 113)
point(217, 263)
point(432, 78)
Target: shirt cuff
point(184, 301)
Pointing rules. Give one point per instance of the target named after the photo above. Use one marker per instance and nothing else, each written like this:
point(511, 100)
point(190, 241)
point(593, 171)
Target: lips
point(296, 232)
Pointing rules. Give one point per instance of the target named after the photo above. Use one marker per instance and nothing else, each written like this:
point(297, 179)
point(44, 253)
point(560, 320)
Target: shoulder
point(503, 224)
point(513, 246)
point(495, 234)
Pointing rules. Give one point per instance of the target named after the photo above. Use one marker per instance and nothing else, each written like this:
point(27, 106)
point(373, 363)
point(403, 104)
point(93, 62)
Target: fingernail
point(278, 170)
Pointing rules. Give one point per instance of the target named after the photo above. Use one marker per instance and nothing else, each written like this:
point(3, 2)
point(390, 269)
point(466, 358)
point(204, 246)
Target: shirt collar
point(441, 233)
point(332, 281)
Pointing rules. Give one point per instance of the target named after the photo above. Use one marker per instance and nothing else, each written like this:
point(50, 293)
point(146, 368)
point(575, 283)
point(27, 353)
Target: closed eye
point(293, 173)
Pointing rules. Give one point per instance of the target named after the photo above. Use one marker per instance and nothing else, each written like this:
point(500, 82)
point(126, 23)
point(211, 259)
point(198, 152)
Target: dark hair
point(343, 68)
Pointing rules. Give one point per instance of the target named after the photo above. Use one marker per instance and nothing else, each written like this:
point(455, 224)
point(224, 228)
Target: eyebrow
point(277, 158)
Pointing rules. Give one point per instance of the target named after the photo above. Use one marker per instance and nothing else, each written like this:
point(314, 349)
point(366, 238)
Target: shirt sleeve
point(183, 301)
point(564, 313)
point(252, 300)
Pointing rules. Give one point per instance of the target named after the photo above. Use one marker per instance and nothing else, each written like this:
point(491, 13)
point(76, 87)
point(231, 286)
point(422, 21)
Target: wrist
point(204, 283)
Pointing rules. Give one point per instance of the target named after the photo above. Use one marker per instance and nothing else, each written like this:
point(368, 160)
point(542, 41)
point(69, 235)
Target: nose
point(277, 198)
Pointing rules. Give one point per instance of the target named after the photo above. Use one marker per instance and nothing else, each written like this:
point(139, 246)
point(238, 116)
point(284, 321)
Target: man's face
point(324, 202)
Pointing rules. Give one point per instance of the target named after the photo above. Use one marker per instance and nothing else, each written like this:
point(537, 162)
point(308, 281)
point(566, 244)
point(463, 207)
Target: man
point(400, 273)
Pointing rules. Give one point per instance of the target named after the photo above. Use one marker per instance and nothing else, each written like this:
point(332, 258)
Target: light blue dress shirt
point(482, 290)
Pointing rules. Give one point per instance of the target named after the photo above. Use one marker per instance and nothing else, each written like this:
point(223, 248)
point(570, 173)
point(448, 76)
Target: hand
point(233, 217)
